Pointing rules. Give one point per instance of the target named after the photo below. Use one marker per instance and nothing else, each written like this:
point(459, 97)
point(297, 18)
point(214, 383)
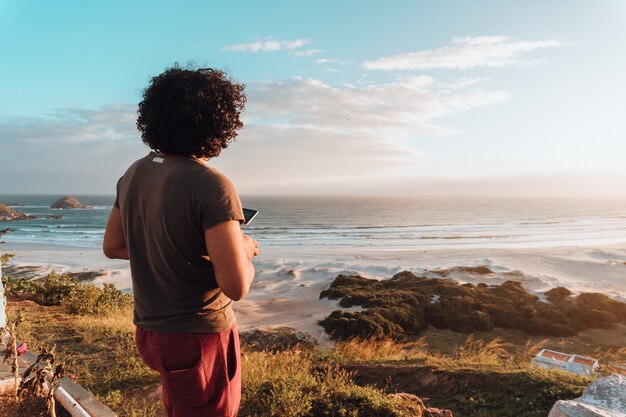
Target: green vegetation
point(298, 384)
point(67, 291)
point(282, 384)
point(405, 305)
point(91, 329)
point(5, 257)
point(481, 379)
point(478, 377)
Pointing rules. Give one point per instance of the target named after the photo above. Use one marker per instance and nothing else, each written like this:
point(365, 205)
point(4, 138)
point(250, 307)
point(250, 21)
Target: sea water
point(358, 222)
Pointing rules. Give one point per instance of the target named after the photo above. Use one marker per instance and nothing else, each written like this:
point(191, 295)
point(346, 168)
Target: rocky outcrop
point(276, 339)
point(68, 202)
point(404, 306)
point(605, 397)
point(8, 214)
point(416, 402)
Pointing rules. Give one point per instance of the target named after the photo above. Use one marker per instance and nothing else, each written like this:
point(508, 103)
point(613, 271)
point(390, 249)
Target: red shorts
point(200, 372)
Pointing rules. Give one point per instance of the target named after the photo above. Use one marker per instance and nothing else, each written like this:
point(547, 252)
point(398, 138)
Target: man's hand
point(114, 244)
point(251, 246)
point(231, 254)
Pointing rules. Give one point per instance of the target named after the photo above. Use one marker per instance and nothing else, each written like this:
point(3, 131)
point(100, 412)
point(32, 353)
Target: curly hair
point(191, 112)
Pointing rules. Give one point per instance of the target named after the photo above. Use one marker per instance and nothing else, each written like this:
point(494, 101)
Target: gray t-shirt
point(166, 203)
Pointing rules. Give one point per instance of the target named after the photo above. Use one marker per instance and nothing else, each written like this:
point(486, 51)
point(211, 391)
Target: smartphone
point(248, 215)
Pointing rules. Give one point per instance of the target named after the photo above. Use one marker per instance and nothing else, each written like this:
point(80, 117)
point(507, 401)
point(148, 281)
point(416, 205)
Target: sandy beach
point(288, 281)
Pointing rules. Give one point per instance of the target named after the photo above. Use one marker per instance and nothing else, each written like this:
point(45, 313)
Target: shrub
point(18, 285)
point(543, 327)
point(87, 299)
point(53, 288)
point(5, 257)
point(78, 297)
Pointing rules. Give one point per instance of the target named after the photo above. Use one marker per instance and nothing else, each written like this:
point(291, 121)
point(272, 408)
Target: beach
point(307, 242)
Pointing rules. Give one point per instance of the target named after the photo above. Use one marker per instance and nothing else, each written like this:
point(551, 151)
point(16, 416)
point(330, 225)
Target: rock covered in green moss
point(405, 305)
point(276, 339)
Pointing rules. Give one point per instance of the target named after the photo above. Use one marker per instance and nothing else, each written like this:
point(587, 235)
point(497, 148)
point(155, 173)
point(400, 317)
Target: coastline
point(288, 281)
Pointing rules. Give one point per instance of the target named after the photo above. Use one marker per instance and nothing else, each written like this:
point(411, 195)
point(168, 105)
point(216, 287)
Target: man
point(178, 222)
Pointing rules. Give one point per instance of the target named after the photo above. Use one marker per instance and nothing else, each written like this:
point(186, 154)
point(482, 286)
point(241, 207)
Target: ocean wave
point(468, 237)
point(80, 232)
point(42, 230)
point(543, 222)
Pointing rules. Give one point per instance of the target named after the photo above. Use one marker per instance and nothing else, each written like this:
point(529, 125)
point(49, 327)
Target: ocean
point(359, 222)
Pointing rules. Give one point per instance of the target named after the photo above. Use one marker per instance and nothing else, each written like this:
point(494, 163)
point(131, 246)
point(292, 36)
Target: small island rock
point(68, 202)
point(8, 214)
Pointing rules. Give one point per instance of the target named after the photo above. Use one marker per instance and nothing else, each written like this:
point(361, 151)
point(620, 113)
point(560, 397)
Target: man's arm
point(231, 254)
point(114, 245)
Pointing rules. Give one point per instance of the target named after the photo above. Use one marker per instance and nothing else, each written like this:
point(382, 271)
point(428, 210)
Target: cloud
point(402, 108)
point(306, 136)
point(72, 125)
point(69, 151)
point(300, 134)
point(466, 53)
point(269, 45)
point(308, 52)
point(274, 158)
point(329, 61)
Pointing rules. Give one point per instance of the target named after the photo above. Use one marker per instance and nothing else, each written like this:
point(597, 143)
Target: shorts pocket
point(188, 387)
point(232, 355)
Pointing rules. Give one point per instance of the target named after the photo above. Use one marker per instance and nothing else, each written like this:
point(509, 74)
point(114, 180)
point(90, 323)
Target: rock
point(68, 202)
point(276, 339)
point(5, 231)
point(436, 412)
point(605, 397)
point(413, 401)
point(573, 408)
point(8, 214)
point(55, 216)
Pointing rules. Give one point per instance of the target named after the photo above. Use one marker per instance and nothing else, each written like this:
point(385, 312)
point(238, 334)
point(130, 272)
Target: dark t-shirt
point(166, 203)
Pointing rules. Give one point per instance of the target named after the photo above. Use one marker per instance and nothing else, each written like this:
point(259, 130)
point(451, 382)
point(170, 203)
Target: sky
point(447, 98)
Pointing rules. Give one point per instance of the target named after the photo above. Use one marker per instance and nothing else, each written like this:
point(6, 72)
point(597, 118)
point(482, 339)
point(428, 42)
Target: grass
point(481, 378)
point(281, 384)
point(100, 351)
point(478, 375)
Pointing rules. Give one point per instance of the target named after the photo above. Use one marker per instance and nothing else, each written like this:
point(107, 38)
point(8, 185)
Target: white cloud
point(306, 136)
point(110, 123)
point(299, 133)
point(273, 158)
point(466, 53)
point(269, 45)
point(69, 151)
point(330, 61)
point(308, 52)
point(394, 109)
